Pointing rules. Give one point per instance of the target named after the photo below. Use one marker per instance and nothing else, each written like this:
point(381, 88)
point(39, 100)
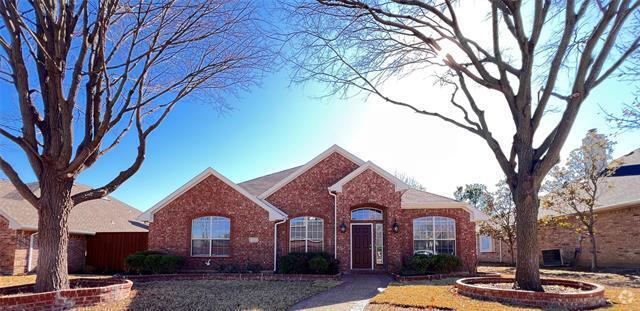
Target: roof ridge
point(270, 174)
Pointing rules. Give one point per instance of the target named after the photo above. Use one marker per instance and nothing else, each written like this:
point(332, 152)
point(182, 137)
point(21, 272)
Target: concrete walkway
point(353, 294)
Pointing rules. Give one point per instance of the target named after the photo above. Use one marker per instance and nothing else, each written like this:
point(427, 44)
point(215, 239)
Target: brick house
point(336, 203)
point(617, 225)
point(93, 225)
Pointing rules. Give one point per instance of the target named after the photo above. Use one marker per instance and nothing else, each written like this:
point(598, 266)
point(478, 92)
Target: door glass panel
point(379, 244)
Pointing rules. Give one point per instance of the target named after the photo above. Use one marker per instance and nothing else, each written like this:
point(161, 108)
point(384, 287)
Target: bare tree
point(410, 181)
point(475, 194)
point(502, 217)
point(102, 69)
point(629, 119)
point(575, 187)
point(527, 46)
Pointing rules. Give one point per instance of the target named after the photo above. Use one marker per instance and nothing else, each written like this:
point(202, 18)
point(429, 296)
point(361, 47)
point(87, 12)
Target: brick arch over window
point(210, 236)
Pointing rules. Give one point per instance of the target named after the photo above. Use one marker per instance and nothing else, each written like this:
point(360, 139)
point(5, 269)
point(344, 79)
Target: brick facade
point(8, 242)
point(15, 251)
point(614, 248)
point(305, 195)
point(171, 229)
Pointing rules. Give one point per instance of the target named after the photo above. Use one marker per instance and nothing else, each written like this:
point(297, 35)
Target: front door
point(361, 247)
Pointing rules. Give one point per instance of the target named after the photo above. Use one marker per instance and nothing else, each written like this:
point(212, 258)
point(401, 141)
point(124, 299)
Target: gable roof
point(418, 199)
point(102, 215)
point(400, 185)
point(274, 213)
point(300, 170)
point(261, 184)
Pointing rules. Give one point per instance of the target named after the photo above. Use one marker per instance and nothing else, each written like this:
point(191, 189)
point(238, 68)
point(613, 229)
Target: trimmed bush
point(431, 264)
point(318, 265)
point(254, 268)
point(445, 263)
point(146, 262)
point(308, 263)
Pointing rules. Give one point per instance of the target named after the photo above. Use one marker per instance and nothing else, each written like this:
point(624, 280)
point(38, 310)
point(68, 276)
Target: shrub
point(445, 263)
point(318, 265)
point(431, 264)
point(153, 262)
point(306, 263)
point(254, 268)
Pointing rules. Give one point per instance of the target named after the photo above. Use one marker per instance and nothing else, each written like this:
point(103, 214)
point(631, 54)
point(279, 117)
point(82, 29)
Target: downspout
point(335, 224)
point(30, 256)
point(275, 243)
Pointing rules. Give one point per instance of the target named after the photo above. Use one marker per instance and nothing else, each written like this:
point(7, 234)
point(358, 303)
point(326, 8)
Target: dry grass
point(218, 295)
point(12, 280)
point(441, 295)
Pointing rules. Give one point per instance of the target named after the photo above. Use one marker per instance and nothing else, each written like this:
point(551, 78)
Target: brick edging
point(231, 276)
point(429, 277)
point(88, 292)
point(591, 297)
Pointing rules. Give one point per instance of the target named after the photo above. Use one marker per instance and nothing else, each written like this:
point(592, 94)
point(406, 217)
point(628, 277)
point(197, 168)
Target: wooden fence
point(108, 251)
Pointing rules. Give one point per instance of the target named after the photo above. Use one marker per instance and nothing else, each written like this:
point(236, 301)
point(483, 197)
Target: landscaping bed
point(231, 276)
point(83, 293)
point(565, 294)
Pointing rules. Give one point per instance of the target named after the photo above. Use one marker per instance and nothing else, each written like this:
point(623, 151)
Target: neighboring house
point(336, 203)
point(617, 226)
point(95, 227)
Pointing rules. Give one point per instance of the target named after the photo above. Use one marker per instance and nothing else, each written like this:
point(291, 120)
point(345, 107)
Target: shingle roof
point(102, 215)
point(418, 198)
point(614, 191)
point(261, 184)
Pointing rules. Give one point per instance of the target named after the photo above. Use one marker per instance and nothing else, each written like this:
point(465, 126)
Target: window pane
point(366, 214)
point(485, 243)
point(297, 246)
point(200, 248)
point(220, 228)
point(379, 244)
point(200, 228)
point(423, 247)
point(219, 247)
point(306, 234)
point(445, 247)
point(423, 228)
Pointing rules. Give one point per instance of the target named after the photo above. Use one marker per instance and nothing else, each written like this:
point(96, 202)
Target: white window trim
point(210, 239)
point(375, 246)
point(367, 208)
point(433, 225)
point(490, 250)
point(306, 233)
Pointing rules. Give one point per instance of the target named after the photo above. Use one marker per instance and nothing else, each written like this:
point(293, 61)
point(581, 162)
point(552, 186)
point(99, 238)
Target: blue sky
point(276, 125)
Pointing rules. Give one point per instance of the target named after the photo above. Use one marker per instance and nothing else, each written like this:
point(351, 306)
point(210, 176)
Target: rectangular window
point(434, 235)
point(486, 244)
point(379, 244)
point(210, 236)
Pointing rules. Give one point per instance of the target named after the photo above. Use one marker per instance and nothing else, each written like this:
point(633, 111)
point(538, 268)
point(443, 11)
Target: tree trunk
point(53, 234)
point(528, 261)
point(594, 252)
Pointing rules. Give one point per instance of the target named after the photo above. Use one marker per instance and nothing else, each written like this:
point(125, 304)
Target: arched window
point(306, 234)
point(366, 214)
point(210, 236)
point(434, 235)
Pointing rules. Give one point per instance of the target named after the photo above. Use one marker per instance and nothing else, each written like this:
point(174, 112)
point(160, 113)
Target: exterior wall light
point(343, 228)
point(395, 227)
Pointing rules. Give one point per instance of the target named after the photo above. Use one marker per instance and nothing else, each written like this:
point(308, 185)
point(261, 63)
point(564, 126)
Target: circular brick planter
point(590, 295)
point(83, 293)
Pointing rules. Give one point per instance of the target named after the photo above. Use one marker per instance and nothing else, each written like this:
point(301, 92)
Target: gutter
point(275, 243)
point(335, 223)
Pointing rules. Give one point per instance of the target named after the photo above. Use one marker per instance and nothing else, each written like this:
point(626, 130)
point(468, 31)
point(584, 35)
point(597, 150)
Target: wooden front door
point(361, 247)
